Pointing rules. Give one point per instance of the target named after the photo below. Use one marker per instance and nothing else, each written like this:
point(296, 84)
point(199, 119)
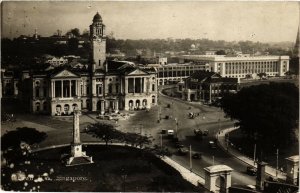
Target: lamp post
point(141, 129)
point(191, 166)
point(124, 176)
point(277, 151)
point(176, 122)
point(213, 157)
point(254, 154)
point(161, 141)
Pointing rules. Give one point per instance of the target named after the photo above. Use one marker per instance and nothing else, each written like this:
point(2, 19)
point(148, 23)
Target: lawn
point(115, 169)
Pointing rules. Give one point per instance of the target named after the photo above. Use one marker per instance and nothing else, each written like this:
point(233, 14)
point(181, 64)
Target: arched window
point(66, 108)
point(38, 108)
point(74, 106)
point(87, 103)
point(153, 99)
point(98, 105)
point(137, 103)
point(130, 104)
point(45, 106)
point(144, 102)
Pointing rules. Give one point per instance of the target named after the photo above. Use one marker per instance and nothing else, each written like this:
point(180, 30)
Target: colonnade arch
point(222, 172)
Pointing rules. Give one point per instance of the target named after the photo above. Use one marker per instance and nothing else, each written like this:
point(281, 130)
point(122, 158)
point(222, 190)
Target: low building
point(9, 84)
point(174, 73)
point(240, 67)
point(205, 86)
point(56, 61)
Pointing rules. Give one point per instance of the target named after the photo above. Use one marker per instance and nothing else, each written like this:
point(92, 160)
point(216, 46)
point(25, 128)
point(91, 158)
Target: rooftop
point(218, 168)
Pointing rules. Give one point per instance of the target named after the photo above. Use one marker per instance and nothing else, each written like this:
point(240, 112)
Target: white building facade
point(240, 67)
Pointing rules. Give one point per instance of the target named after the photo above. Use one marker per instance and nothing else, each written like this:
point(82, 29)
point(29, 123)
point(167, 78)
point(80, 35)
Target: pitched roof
point(202, 75)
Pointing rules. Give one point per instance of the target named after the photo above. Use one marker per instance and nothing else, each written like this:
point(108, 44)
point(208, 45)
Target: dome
point(97, 18)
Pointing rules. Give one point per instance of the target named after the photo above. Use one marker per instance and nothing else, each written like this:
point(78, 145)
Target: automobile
point(273, 179)
point(170, 132)
point(205, 133)
point(163, 131)
point(179, 144)
point(251, 171)
point(175, 139)
point(183, 151)
point(212, 144)
point(196, 155)
point(251, 187)
point(198, 132)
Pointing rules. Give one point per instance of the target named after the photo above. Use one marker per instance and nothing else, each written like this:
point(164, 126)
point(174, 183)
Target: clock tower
point(98, 43)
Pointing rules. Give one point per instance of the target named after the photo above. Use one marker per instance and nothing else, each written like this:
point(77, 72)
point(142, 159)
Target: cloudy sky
point(230, 21)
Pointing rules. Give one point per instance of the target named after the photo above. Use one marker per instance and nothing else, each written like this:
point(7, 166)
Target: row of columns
point(144, 82)
point(54, 82)
point(187, 71)
point(238, 69)
point(115, 106)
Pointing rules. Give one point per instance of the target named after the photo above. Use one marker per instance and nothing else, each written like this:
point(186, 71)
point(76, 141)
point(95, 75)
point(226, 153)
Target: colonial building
point(105, 86)
point(240, 67)
point(205, 86)
point(174, 73)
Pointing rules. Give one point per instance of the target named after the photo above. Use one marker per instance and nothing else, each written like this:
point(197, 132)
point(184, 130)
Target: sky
point(229, 21)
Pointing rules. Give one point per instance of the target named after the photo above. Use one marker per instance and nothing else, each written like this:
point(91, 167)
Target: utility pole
point(161, 141)
point(191, 166)
point(254, 154)
point(141, 129)
point(176, 126)
point(158, 115)
point(277, 151)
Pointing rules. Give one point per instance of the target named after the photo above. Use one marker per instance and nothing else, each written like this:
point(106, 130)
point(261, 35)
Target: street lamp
point(124, 176)
point(141, 129)
point(191, 166)
point(277, 151)
point(254, 154)
point(161, 141)
point(176, 126)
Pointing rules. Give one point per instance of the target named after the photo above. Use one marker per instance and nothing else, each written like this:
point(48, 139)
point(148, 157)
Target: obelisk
point(77, 155)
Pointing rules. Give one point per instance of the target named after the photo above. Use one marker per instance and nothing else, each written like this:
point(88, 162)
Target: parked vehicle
point(198, 132)
point(163, 131)
point(251, 187)
point(196, 155)
point(183, 151)
point(178, 144)
point(251, 171)
point(212, 145)
point(170, 132)
point(175, 139)
point(205, 132)
point(273, 179)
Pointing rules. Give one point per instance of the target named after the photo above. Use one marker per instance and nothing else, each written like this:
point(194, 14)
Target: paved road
point(208, 119)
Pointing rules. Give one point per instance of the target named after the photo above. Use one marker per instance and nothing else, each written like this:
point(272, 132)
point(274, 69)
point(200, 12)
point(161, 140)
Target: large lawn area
point(115, 169)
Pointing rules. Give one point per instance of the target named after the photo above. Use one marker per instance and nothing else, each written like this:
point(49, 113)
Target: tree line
point(267, 114)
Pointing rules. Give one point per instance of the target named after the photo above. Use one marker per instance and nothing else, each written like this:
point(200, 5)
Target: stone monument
point(77, 156)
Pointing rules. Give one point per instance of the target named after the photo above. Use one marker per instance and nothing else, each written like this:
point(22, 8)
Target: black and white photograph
point(150, 96)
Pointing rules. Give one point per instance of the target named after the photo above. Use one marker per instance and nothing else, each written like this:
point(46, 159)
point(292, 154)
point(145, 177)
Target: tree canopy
point(267, 113)
point(107, 133)
point(12, 139)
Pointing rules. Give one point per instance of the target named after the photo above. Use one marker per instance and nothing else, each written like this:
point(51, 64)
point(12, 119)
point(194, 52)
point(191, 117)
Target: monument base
point(78, 157)
point(80, 160)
